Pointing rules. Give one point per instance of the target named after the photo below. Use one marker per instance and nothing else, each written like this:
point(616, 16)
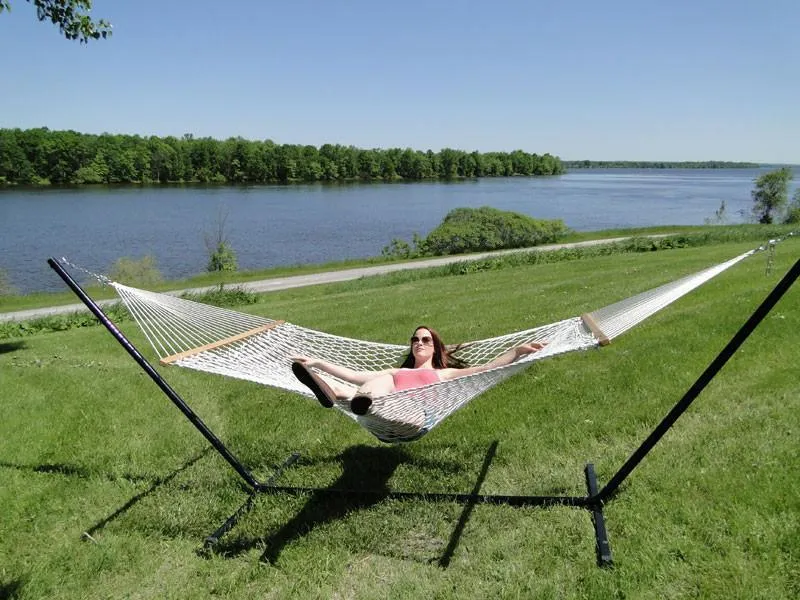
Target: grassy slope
point(712, 512)
point(12, 303)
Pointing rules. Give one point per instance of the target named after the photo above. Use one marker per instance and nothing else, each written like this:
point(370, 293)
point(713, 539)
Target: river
point(298, 224)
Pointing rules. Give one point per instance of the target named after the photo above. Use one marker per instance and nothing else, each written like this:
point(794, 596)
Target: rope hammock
point(222, 341)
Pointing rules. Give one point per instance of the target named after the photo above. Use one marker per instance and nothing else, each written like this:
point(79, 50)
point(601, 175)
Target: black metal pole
point(148, 368)
point(704, 379)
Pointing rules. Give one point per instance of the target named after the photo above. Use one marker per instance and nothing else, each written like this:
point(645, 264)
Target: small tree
point(793, 214)
point(720, 215)
point(221, 256)
point(771, 193)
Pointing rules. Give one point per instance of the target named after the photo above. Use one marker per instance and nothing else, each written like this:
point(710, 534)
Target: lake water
point(288, 225)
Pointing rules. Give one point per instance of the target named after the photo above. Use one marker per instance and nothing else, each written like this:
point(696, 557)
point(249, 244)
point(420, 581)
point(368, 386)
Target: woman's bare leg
point(342, 391)
point(378, 386)
point(374, 388)
point(381, 385)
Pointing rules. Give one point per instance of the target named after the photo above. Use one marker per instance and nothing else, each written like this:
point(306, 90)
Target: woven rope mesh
point(261, 350)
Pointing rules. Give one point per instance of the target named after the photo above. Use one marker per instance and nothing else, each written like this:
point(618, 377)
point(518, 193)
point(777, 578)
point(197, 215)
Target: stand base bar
point(269, 487)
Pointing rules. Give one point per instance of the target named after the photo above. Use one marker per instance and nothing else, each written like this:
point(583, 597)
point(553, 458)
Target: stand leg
point(602, 547)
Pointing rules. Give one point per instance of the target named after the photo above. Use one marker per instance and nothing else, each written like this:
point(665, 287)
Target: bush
point(398, 248)
point(224, 297)
point(15, 329)
point(142, 272)
point(6, 289)
point(793, 212)
point(222, 258)
point(482, 229)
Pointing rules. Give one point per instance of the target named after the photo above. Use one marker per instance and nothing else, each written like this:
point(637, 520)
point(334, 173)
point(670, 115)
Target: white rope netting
point(226, 342)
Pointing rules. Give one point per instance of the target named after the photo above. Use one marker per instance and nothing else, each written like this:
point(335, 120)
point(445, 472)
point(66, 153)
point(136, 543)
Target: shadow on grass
point(68, 470)
point(83, 473)
point(58, 469)
point(364, 468)
point(444, 560)
point(6, 347)
point(156, 484)
point(10, 589)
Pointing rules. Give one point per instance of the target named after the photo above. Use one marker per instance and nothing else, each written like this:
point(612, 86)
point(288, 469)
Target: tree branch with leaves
point(71, 17)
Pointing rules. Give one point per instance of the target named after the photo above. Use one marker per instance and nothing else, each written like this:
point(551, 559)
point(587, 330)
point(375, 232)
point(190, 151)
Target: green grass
point(89, 444)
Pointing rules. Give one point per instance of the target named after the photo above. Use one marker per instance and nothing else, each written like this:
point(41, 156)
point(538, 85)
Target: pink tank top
point(410, 378)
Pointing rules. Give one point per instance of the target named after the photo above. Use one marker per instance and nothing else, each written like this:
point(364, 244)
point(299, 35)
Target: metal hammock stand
point(593, 502)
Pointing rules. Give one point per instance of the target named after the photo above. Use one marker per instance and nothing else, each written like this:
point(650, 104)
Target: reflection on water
point(287, 225)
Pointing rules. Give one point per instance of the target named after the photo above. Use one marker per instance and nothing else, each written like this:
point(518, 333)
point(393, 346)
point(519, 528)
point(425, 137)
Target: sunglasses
point(425, 339)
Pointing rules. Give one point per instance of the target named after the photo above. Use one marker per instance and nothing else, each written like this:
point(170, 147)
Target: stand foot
point(602, 547)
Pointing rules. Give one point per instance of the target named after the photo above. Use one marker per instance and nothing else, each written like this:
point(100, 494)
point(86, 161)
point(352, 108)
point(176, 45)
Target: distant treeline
point(41, 156)
point(639, 164)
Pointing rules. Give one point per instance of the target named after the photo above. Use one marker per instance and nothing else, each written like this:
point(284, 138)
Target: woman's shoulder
point(447, 373)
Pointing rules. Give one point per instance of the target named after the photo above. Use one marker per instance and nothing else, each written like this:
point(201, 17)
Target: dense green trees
point(71, 16)
point(41, 156)
point(771, 194)
point(645, 164)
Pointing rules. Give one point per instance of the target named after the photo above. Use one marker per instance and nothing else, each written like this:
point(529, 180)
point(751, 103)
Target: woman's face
point(422, 345)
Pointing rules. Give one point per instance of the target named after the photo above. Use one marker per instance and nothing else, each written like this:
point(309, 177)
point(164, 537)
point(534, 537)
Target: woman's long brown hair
point(442, 357)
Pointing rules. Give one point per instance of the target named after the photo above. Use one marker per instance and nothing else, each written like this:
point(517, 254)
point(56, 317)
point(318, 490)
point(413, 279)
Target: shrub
point(793, 211)
point(14, 329)
point(224, 297)
point(6, 289)
point(397, 248)
point(481, 229)
point(222, 258)
point(130, 271)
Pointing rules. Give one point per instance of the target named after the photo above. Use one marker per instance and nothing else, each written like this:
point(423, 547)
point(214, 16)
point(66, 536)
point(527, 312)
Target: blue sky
point(677, 80)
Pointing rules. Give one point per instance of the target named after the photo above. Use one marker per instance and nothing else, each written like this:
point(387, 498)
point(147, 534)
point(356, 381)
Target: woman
point(427, 362)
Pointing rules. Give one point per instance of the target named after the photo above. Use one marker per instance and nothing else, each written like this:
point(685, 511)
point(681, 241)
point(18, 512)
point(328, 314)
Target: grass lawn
point(88, 445)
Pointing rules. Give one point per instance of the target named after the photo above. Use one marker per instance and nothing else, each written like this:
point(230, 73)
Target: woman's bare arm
point(343, 373)
point(504, 359)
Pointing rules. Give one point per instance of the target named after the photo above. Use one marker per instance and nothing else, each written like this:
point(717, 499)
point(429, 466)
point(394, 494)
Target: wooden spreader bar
point(228, 340)
point(601, 337)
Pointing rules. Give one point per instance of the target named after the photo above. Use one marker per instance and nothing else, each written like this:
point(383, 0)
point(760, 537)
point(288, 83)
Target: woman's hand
point(526, 349)
point(305, 361)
